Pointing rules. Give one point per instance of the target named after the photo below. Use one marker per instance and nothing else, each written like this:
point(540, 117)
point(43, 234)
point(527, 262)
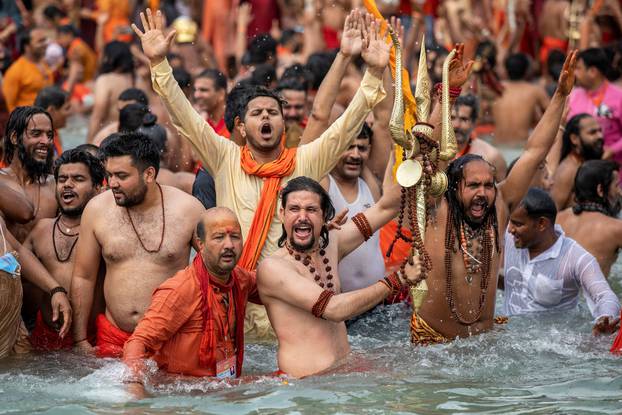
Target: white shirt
point(552, 280)
point(364, 266)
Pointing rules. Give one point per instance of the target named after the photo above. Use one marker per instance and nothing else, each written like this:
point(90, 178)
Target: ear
point(239, 124)
point(599, 190)
point(282, 214)
point(13, 139)
point(149, 174)
point(542, 223)
point(575, 140)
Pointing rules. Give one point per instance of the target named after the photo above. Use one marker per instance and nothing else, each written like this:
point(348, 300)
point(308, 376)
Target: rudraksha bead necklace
point(308, 262)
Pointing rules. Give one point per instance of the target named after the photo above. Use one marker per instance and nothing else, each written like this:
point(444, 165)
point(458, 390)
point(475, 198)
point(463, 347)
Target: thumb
point(55, 308)
point(170, 37)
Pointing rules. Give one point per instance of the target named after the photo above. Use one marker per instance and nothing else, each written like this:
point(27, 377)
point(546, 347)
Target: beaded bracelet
point(363, 225)
point(322, 302)
point(393, 283)
point(58, 289)
point(454, 92)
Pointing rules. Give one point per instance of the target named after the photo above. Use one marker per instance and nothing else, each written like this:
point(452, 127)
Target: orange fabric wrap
point(548, 44)
point(110, 339)
point(272, 172)
point(44, 338)
point(401, 249)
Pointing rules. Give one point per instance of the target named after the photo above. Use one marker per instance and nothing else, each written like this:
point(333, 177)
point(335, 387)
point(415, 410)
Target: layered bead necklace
point(307, 261)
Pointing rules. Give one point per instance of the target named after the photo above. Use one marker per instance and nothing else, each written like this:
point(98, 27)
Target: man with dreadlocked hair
point(593, 221)
point(463, 240)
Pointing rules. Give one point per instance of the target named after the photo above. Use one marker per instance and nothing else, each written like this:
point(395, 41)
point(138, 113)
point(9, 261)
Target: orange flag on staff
point(409, 100)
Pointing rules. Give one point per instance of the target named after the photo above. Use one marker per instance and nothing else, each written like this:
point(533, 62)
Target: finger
point(159, 20)
point(348, 23)
point(55, 308)
point(171, 37)
point(150, 19)
point(143, 20)
point(66, 323)
point(137, 31)
point(469, 67)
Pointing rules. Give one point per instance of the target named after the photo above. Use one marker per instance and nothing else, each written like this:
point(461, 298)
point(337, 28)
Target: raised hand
point(154, 42)
point(396, 24)
point(459, 71)
point(351, 37)
point(566, 77)
point(375, 48)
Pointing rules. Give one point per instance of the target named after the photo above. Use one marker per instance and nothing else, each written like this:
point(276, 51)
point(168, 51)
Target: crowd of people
point(257, 135)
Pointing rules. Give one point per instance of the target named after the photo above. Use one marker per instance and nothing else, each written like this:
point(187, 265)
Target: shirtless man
point(144, 232)
point(301, 290)
point(464, 117)
point(79, 178)
point(247, 178)
point(582, 140)
point(553, 27)
point(512, 126)
point(28, 153)
point(129, 96)
point(461, 300)
point(593, 221)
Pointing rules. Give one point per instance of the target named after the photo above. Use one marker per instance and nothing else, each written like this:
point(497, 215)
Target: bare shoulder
point(272, 268)
point(102, 203)
point(184, 203)
point(42, 228)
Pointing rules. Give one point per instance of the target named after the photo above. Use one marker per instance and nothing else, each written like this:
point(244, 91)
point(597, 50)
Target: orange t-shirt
point(23, 81)
point(172, 327)
point(79, 50)
point(118, 17)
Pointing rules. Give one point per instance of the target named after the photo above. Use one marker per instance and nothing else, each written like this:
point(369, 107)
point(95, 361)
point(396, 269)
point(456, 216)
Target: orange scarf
point(272, 172)
point(237, 310)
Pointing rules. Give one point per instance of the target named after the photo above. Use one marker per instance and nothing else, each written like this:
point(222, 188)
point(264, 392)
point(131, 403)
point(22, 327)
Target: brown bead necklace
point(76, 235)
point(307, 261)
point(151, 251)
point(484, 266)
point(470, 255)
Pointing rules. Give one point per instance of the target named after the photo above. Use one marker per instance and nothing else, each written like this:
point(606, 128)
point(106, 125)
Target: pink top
point(606, 105)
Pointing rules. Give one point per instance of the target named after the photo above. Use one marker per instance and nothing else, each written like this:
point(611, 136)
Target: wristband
point(322, 302)
point(363, 225)
point(58, 289)
point(454, 92)
point(393, 283)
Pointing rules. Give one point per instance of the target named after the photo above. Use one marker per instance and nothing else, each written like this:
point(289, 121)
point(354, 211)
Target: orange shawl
point(272, 172)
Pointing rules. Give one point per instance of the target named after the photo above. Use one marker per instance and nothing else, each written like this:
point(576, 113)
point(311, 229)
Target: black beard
point(36, 170)
point(302, 248)
point(135, 199)
point(73, 212)
point(588, 152)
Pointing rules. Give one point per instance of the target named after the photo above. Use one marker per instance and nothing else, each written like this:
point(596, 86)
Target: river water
point(540, 364)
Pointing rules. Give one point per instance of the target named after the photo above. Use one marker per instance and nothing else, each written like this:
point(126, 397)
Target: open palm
point(154, 42)
point(351, 39)
point(566, 77)
point(459, 71)
point(376, 48)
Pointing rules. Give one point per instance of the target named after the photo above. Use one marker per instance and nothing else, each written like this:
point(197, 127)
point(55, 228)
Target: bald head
point(220, 239)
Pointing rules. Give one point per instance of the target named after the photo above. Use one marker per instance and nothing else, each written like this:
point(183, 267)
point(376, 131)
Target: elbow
point(23, 215)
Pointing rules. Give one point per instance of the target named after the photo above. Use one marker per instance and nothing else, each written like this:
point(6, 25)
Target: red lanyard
point(598, 99)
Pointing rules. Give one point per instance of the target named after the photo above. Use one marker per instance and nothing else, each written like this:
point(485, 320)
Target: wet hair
point(75, 155)
point(261, 48)
point(517, 66)
point(117, 57)
point(591, 174)
point(318, 64)
point(487, 51)
point(217, 77)
point(366, 132)
point(255, 91)
point(134, 94)
point(264, 75)
point(538, 203)
point(455, 176)
point(154, 131)
point(68, 30)
point(303, 183)
point(17, 124)
point(131, 117)
point(201, 231)
point(471, 101)
point(141, 149)
point(234, 106)
point(596, 58)
point(51, 96)
point(183, 77)
point(92, 149)
point(572, 127)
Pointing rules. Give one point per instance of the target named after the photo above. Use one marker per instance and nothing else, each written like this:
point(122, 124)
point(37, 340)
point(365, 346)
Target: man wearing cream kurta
point(262, 126)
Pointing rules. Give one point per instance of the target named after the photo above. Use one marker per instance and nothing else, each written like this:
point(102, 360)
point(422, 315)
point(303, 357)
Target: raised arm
point(350, 237)
point(84, 277)
point(514, 187)
point(351, 41)
point(320, 156)
point(208, 145)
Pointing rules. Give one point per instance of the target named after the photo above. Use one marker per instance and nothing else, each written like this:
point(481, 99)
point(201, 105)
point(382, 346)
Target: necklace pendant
point(469, 278)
